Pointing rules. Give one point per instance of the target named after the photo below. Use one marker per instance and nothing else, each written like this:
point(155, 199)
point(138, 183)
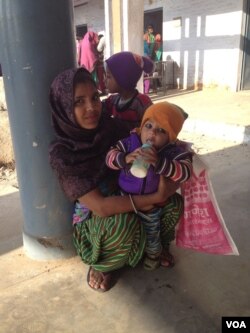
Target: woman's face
point(87, 105)
point(152, 131)
point(111, 83)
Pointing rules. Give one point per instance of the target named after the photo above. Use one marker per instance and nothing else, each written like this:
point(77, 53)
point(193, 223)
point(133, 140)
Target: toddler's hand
point(129, 158)
point(149, 155)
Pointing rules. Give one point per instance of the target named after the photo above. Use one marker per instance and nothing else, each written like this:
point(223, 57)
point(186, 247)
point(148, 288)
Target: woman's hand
point(166, 188)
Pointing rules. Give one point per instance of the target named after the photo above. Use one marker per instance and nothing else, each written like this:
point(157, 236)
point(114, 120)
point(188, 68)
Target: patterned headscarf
point(78, 155)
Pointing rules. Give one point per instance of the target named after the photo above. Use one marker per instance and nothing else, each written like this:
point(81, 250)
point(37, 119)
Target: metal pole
point(37, 42)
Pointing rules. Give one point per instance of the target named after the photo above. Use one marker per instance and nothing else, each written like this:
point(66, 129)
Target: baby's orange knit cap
point(169, 116)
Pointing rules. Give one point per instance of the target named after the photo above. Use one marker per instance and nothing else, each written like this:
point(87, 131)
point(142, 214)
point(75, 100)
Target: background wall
point(202, 37)
point(90, 13)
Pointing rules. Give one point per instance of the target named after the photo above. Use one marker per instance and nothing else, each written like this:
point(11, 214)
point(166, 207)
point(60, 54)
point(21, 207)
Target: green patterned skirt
point(112, 242)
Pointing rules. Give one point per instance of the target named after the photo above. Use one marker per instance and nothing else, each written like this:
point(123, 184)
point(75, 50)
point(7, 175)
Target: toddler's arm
point(118, 158)
point(115, 158)
point(178, 170)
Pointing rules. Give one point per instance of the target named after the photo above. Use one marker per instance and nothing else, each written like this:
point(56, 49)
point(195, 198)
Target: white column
point(107, 13)
point(133, 19)
point(124, 27)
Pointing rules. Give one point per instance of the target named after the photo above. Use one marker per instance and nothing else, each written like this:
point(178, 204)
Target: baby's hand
point(132, 156)
point(149, 155)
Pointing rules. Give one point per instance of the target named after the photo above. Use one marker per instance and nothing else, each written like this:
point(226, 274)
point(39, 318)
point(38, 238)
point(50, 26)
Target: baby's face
point(153, 132)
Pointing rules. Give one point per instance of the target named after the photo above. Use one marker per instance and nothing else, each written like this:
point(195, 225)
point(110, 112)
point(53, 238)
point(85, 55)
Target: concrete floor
point(53, 296)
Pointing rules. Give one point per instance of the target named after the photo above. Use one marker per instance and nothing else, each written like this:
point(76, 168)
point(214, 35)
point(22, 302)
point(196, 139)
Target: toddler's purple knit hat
point(127, 68)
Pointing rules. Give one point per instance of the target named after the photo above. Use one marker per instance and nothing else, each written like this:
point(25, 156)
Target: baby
point(160, 127)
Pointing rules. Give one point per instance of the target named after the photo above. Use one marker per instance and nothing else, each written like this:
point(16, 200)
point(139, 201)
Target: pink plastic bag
point(202, 227)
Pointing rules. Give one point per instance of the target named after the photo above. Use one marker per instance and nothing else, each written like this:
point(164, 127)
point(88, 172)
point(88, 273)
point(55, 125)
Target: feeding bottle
point(139, 167)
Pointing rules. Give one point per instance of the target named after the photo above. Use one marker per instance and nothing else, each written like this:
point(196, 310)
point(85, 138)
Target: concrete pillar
point(133, 22)
point(124, 27)
point(36, 43)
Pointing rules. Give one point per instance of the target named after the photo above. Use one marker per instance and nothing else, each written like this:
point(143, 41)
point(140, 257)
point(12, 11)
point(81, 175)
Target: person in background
point(100, 65)
point(123, 71)
point(158, 48)
point(159, 129)
point(146, 51)
point(157, 56)
point(88, 55)
point(101, 47)
point(107, 234)
point(78, 43)
point(150, 40)
point(146, 81)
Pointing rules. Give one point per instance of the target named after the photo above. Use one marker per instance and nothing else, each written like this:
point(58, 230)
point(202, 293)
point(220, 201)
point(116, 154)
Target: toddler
point(123, 71)
point(160, 127)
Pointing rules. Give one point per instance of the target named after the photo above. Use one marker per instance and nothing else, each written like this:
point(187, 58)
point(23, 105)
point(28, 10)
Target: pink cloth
point(88, 55)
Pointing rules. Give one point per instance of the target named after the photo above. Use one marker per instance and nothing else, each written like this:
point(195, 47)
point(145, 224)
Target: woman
point(146, 81)
point(107, 234)
point(158, 48)
point(88, 55)
point(150, 40)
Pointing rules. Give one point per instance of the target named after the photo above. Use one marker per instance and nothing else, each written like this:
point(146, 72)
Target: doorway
point(81, 30)
point(154, 17)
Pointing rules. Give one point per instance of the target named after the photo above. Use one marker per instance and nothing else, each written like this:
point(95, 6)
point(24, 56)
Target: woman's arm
point(106, 206)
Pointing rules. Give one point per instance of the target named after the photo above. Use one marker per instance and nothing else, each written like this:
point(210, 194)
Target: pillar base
point(45, 248)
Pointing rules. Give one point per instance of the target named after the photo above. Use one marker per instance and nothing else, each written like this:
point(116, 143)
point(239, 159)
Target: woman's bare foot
point(98, 280)
point(167, 259)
